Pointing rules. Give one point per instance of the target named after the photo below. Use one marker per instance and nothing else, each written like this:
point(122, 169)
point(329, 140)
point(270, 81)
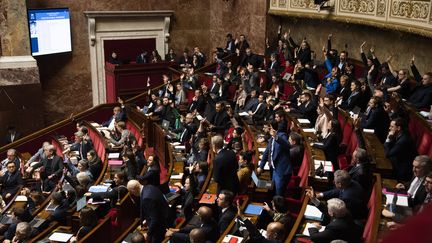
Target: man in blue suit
point(277, 154)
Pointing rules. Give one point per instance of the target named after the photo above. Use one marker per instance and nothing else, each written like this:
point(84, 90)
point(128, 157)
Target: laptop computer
point(37, 222)
point(261, 183)
point(81, 203)
point(5, 219)
point(165, 124)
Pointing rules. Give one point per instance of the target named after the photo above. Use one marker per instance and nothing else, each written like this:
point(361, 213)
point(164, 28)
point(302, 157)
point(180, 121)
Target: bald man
point(206, 223)
point(153, 209)
point(275, 232)
point(197, 236)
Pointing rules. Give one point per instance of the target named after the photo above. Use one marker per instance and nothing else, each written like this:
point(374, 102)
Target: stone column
point(20, 88)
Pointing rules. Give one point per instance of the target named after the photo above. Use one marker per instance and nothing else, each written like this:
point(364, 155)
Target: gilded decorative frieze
point(274, 3)
point(282, 3)
point(306, 4)
point(381, 7)
point(357, 6)
point(410, 9)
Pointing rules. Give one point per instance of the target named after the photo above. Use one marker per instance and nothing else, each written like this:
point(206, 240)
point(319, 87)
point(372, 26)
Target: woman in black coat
point(330, 143)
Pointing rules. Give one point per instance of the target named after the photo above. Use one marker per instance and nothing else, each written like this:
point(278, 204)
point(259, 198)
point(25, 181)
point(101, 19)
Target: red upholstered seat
point(189, 96)
point(288, 89)
point(367, 232)
point(231, 92)
point(425, 142)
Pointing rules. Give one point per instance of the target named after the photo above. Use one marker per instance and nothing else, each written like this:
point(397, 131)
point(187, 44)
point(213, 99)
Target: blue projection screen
point(50, 31)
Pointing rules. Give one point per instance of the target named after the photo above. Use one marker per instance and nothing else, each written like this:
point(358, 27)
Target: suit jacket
point(170, 57)
point(250, 105)
point(337, 229)
point(377, 119)
point(354, 198)
point(260, 113)
point(308, 111)
point(362, 173)
point(8, 138)
point(120, 116)
point(60, 213)
point(401, 152)
point(141, 59)
point(419, 196)
point(95, 167)
point(281, 155)
point(330, 147)
point(199, 105)
point(230, 46)
point(154, 209)
point(225, 218)
point(10, 182)
point(296, 155)
point(225, 170)
point(352, 101)
point(56, 167)
point(83, 148)
point(220, 120)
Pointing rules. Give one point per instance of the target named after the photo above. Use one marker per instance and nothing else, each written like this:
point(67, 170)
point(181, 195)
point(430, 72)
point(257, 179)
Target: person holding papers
point(331, 142)
point(119, 114)
point(341, 226)
point(278, 156)
point(81, 145)
point(117, 192)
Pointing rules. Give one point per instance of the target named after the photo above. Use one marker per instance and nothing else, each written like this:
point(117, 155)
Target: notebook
point(60, 237)
point(208, 198)
point(309, 225)
point(81, 203)
point(253, 209)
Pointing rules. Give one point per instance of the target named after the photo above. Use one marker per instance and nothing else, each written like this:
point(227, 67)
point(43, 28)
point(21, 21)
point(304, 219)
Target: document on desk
point(311, 130)
point(368, 130)
point(401, 200)
point(310, 225)
point(303, 121)
point(244, 113)
point(232, 239)
point(178, 176)
point(328, 166)
point(98, 188)
point(60, 237)
point(313, 213)
point(179, 147)
point(21, 198)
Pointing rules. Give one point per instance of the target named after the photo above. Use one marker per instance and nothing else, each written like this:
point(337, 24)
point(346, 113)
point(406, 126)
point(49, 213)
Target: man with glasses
point(11, 157)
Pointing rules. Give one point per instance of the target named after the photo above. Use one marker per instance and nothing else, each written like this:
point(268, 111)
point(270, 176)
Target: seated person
point(81, 167)
point(330, 143)
point(10, 181)
point(355, 97)
point(84, 180)
point(39, 155)
point(259, 113)
point(200, 152)
point(117, 192)
point(236, 137)
point(95, 163)
point(18, 215)
point(119, 114)
point(279, 212)
point(52, 169)
point(416, 188)
point(347, 190)
point(12, 156)
point(220, 120)
point(22, 233)
point(81, 145)
point(61, 207)
point(139, 156)
point(296, 149)
point(227, 211)
point(360, 169)
point(341, 226)
point(188, 191)
point(205, 221)
point(87, 221)
point(245, 171)
point(200, 172)
point(275, 232)
point(126, 136)
point(376, 118)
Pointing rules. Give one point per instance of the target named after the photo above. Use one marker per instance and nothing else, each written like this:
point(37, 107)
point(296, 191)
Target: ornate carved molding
point(92, 31)
point(413, 16)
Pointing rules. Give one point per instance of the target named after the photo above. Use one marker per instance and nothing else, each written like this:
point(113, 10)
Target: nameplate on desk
point(261, 150)
point(313, 213)
point(113, 155)
point(311, 130)
point(368, 130)
point(208, 198)
point(60, 237)
point(303, 121)
point(115, 162)
point(178, 176)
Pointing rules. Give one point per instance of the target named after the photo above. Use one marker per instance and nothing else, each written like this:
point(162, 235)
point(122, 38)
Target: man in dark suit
point(153, 209)
point(119, 114)
point(360, 170)
point(214, 87)
point(171, 56)
point(274, 66)
point(230, 45)
point(198, 103)
point(188, 129)
point(422, 165)
point(307, 108)
point(278, 156)
point(10, 181)
point(220, 120)
point(251, 103)
point(11, 157)
point(204, 221)
point(227, 210)
point(83, 146)
point(421, 95)
point(224, 166)
point(60, 212)
point(12, 135)
point(259, 113)
point(341, 226)
point(376, 118)
point(296, 149)
point(142, 57)
point(400, 149)
point(52, 168)
point(347, 190)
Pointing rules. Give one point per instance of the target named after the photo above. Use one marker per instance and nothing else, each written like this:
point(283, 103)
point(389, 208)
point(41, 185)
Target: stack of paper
point(178, 176)
point(402, 200)
point(313, 213)
point(310, 130)
point(368, 130)
point(60, 237)
point(303, 121)
point(243, 113)
point(98, 188)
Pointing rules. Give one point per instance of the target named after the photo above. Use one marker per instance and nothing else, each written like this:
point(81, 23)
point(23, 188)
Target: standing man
point(224, 166)
point(277, 154)
point(153, 209)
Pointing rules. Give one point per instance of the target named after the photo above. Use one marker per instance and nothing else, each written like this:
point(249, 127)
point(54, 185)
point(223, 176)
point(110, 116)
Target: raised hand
point(389, 58)
point(362, 46)
point(330, 36)
point(412, 60)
